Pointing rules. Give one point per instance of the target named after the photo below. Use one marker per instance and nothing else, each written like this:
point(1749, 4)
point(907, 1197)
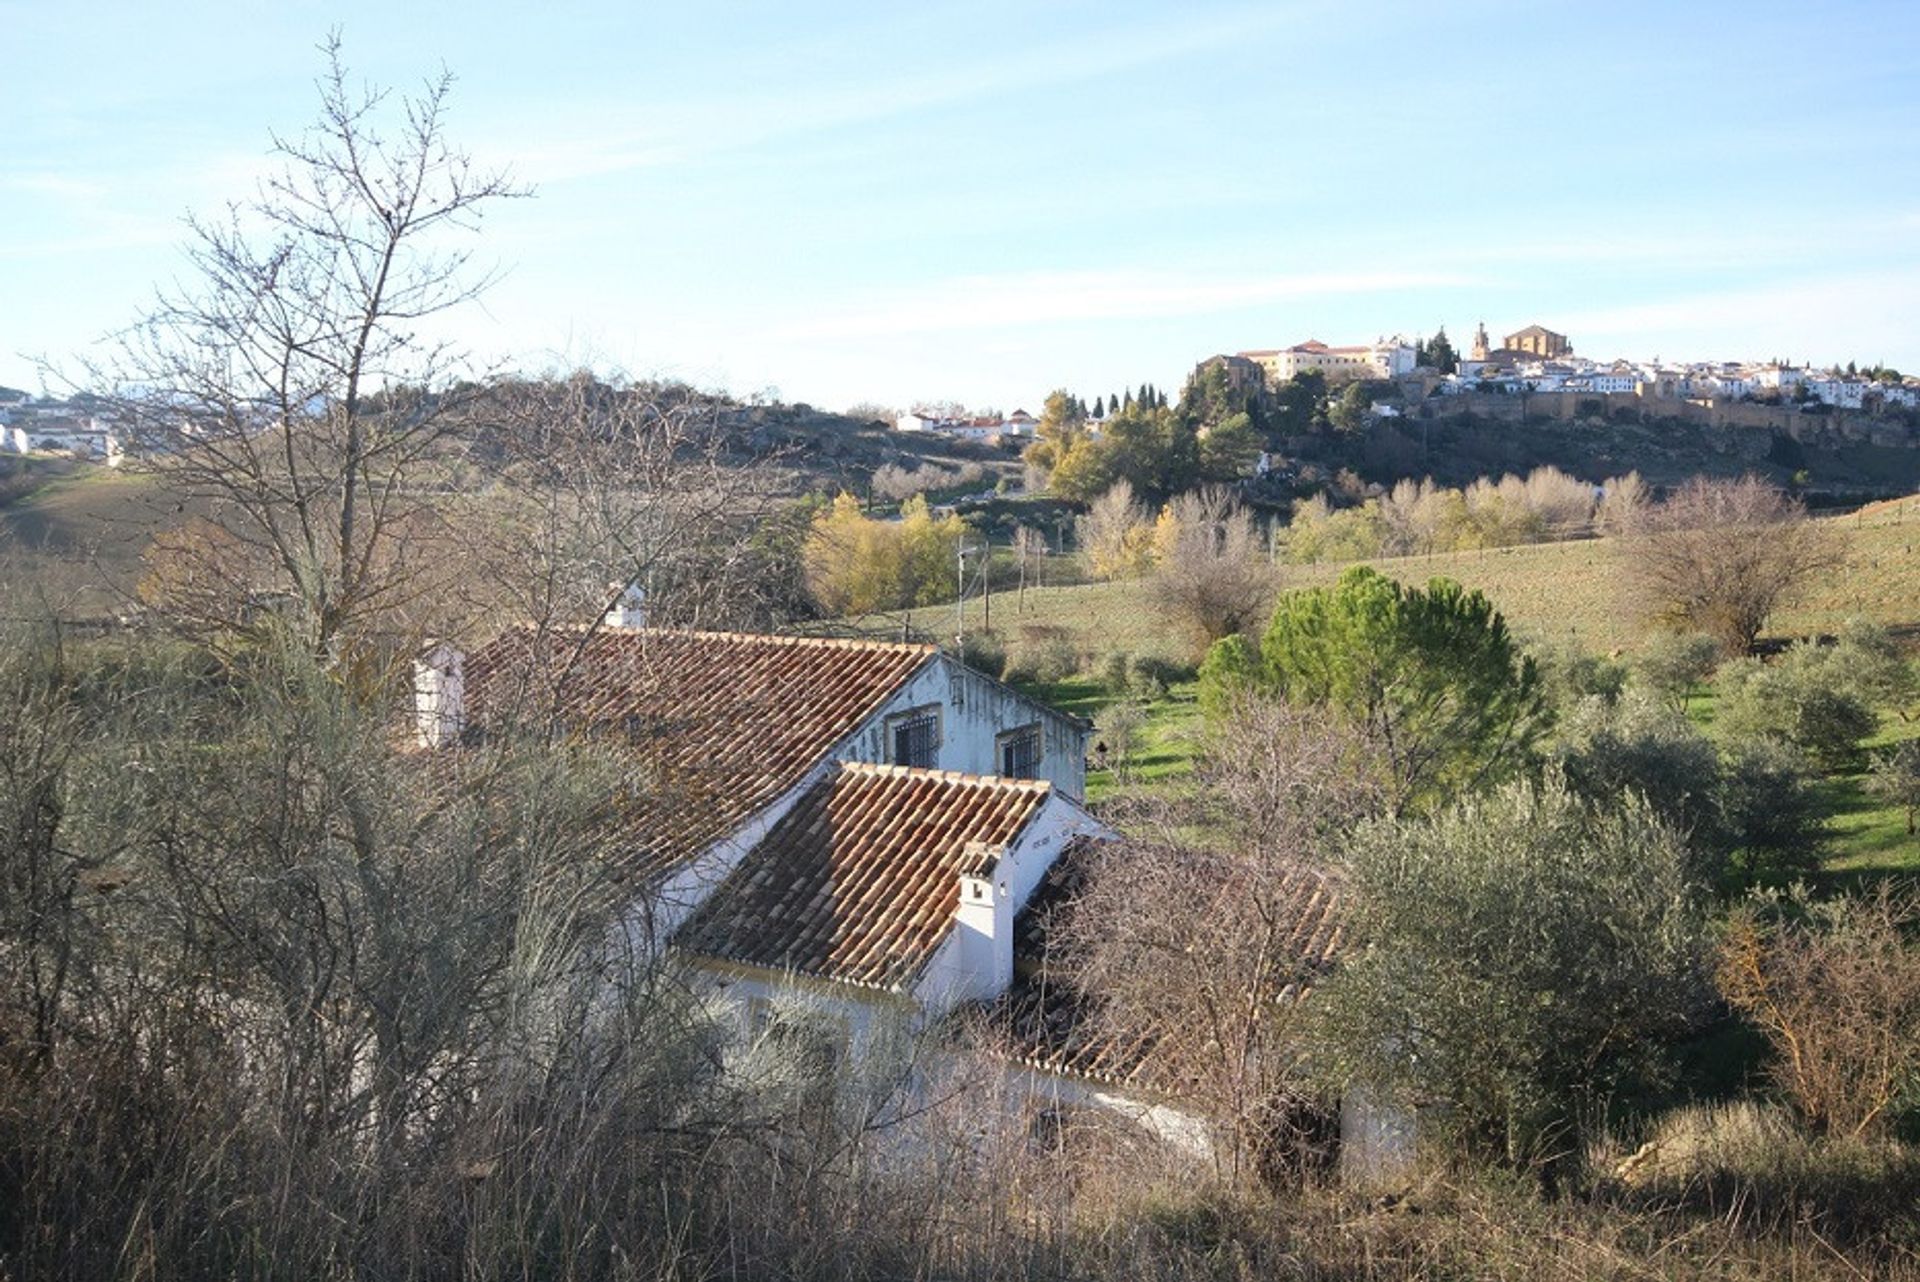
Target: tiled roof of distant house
point(1046, 1023)
point(721, 724)
point(860, 881)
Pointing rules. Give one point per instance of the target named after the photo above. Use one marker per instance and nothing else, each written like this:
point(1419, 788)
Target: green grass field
point(1550, 592)
point(1869, 836)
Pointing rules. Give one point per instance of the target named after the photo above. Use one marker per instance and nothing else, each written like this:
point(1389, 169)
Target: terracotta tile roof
point(1044, 1022)
point(860, 881)
point(720, 724)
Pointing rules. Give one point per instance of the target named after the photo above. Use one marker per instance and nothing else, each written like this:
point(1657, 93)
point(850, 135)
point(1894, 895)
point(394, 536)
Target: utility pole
point(960, 594)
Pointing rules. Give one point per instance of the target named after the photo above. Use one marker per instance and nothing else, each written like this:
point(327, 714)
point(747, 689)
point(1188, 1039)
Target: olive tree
point(1519, 957)
point(1637, 745)
point(1895, 779)
point(1807, 698)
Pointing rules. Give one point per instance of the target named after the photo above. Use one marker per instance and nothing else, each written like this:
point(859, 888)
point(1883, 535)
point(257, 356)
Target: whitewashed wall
point(974, 711)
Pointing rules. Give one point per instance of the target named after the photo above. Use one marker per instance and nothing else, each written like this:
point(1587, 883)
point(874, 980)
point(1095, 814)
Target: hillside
point(1547, 591)
point(78, 531)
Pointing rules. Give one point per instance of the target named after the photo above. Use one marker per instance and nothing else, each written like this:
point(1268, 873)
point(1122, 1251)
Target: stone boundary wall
point(1835, 427)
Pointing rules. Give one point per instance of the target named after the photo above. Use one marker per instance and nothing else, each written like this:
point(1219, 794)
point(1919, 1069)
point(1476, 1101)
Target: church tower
point(1480, 342)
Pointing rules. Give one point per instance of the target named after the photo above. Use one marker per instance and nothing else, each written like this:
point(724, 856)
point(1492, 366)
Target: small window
point(1020, 753)
point(916, 739)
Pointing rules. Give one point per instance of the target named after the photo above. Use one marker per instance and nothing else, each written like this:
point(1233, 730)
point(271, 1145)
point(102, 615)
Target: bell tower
point(1480, 342)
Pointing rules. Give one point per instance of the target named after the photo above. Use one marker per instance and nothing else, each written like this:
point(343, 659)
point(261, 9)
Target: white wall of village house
point(974, 712)
point(856, 1016)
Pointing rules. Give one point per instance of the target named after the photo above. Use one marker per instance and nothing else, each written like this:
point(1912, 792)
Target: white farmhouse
point(731, 731)
point(870, 830)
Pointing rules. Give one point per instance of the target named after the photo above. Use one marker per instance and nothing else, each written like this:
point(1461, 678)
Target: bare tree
point(291, 389)
point(1623, 503)
point(1409, 517)
point(1211, 577)
point(1835, 986)
point(1720, 556)
point(1203, 952)
point(605, 485)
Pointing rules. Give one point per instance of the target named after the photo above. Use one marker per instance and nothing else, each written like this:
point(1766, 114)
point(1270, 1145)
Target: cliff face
point(1837, 457)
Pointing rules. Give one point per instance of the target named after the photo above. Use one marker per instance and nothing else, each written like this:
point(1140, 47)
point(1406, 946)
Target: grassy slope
point(1548, 592)
point(79, 535)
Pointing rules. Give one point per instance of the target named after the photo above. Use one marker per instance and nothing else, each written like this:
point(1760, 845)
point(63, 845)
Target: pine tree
point(1099, 408)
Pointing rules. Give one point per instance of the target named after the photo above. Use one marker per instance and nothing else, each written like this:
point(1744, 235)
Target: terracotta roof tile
point(859, 882)
point(1044, 1022)
point(721, 724)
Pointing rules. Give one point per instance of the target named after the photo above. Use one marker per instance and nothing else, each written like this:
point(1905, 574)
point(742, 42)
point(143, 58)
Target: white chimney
point(439, 695)
point(983, 924)
point(630, 610)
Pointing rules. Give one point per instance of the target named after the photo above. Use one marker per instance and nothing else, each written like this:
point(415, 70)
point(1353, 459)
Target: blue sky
point(981, 201)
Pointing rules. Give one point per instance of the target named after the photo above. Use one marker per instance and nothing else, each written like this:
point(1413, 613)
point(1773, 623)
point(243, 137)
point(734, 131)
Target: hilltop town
point(1537, 359)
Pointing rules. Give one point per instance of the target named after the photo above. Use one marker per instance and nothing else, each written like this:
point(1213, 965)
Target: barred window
point(916, 739)
point(1020, 753)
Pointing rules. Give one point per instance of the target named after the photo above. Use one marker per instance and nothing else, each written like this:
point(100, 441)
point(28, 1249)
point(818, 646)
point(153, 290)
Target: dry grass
point(1548, 591)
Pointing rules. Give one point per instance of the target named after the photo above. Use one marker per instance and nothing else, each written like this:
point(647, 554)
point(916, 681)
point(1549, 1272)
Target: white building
point(857, 828)
point(1383, 358)
point(1017, 424)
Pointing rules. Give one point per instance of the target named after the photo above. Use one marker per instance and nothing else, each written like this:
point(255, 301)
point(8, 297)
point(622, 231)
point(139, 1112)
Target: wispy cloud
point(1854, 315)
point(594, 142)
point(1002, 302)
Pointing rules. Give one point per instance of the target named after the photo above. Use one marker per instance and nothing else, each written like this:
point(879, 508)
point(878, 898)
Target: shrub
point(1044, 652)
point(1673, 664)
point(984, 652)
point(1749, 1164)
point(1149, 668)
point(1116, 673)
point(1805, 698)
point(1835, 986)
point(1771, 811)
